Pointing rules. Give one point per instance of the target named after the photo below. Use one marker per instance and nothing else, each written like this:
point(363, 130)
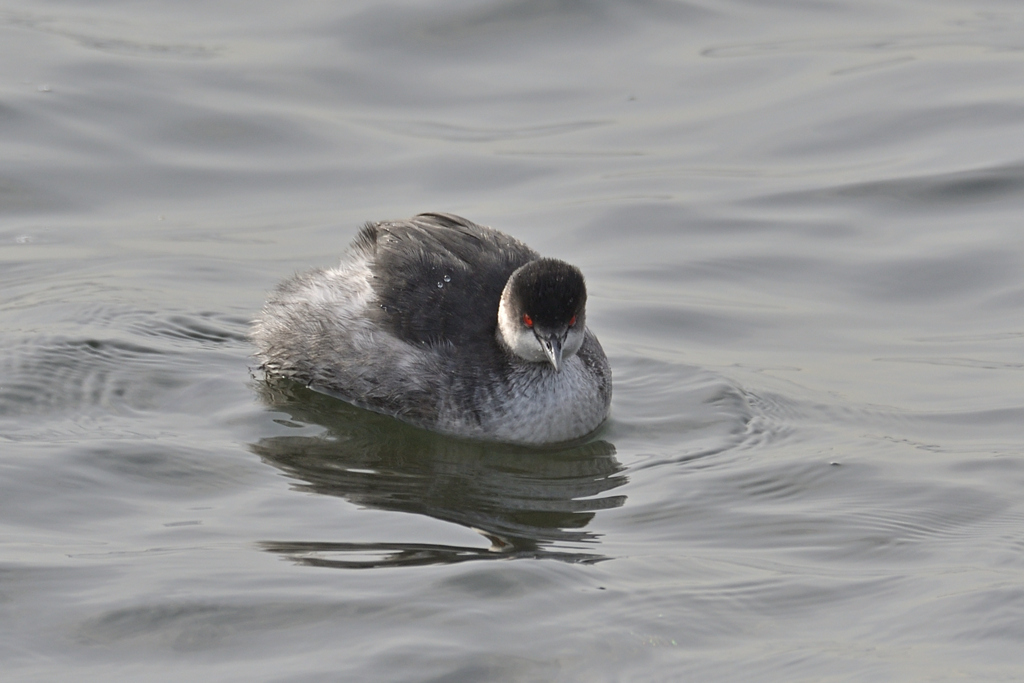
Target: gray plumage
point(426, 319)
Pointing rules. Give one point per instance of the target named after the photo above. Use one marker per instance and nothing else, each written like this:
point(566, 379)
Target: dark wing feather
point(411, 260)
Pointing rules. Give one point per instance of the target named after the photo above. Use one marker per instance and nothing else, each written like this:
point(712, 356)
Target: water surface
point(800, 225)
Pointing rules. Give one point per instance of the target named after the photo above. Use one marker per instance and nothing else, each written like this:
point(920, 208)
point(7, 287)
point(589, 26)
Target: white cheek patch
point(574, 340)
point(517, 339)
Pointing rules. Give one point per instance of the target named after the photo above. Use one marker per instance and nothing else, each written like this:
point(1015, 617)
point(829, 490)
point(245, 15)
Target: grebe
point(448, 325)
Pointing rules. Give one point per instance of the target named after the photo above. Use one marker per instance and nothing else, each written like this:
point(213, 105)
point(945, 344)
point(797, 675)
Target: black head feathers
point(551, 292)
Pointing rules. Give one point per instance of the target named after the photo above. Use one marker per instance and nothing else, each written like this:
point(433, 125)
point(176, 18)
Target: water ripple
point(461, 133)
point(133, 360)
point(937, 191)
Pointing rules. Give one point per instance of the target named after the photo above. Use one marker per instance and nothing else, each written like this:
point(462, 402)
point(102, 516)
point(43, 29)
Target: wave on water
point(931, 191)
point(675, 413)
point(125, 361)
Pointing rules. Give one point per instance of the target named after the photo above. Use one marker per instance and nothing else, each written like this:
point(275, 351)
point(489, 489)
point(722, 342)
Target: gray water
point(801, 228)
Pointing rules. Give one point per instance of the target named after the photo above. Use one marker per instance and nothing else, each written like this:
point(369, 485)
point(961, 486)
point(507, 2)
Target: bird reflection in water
point(528, 502)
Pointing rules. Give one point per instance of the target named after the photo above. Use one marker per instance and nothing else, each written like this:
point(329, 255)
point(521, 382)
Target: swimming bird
point(447, 325)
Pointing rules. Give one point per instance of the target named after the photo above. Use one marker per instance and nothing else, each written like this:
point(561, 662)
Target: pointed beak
point(553, 349)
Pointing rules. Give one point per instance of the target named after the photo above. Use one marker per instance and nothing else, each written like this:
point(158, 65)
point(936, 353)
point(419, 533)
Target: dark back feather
point(439, 277)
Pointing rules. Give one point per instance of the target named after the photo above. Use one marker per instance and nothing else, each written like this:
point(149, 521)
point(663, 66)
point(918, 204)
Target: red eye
point(572, 321)
point(527, 320)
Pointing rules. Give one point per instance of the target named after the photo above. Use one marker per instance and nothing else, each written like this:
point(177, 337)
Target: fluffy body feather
point(407, 324)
